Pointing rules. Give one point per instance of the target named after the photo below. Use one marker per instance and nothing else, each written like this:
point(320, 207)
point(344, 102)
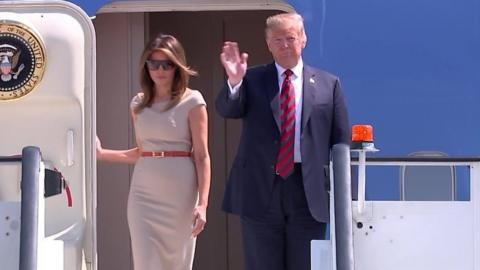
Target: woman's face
point(161, 69)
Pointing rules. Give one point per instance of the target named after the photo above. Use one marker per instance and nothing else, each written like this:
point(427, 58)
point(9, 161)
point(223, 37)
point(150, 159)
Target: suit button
point(277, 172)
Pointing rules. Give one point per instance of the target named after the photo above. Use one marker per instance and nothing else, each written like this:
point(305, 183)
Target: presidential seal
point(22, 60)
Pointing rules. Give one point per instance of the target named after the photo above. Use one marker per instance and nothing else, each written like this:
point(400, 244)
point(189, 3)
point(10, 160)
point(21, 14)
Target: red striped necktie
point(285, 161)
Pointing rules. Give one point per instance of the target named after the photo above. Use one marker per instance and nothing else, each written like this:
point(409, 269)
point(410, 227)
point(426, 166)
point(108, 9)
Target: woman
point(168, 196)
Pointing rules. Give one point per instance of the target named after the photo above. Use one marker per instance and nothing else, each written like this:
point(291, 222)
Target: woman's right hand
point(128, 156)
point(99, 148)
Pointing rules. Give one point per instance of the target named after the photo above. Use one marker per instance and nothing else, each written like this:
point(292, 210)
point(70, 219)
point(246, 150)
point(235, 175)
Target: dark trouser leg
point(264, 245)
point(264, 237)
point(281, 238)
point(301, 227)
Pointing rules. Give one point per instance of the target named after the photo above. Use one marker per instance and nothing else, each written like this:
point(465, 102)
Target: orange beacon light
point(362, 137)
point(362, 133)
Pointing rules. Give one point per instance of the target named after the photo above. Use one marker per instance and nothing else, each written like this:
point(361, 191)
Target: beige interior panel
point(202, 34)
point(113, 128)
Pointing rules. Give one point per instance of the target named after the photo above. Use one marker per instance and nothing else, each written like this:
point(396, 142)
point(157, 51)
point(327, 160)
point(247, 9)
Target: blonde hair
point(173, 49)
point(284, 19)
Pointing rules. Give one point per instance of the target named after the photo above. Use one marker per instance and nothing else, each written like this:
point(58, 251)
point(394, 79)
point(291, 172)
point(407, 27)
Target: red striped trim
point(287, 146)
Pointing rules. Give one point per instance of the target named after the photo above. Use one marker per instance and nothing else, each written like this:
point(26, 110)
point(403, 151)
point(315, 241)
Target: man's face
point(286, 43)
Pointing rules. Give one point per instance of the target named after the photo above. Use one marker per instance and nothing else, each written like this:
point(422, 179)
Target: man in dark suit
point(292, 115)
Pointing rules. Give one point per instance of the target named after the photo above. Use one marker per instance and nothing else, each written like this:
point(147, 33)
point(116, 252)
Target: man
point(292, 115)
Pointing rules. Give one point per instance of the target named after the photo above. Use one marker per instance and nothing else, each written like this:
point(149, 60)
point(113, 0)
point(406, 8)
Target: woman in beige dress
point(168, 196)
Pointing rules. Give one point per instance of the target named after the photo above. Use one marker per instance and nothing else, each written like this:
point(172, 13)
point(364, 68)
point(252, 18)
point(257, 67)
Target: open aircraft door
point(47, 100)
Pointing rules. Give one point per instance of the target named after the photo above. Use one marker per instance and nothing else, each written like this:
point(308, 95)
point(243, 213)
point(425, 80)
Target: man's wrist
point(234, 90)
point(233, 83)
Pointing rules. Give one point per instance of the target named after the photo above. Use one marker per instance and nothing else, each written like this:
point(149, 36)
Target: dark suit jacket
point(324, 123)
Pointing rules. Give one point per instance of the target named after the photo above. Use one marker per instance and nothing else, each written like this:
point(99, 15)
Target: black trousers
point(280, 240)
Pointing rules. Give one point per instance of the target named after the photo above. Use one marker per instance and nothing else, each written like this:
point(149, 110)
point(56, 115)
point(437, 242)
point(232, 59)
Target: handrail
point(31, 159)
point(343, 207)
point(407, 161)
point(419, 159)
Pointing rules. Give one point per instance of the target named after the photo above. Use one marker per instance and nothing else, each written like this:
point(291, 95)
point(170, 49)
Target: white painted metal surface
point(414, 235)
point(59, 118)
point(402, 235)
point(9, 234)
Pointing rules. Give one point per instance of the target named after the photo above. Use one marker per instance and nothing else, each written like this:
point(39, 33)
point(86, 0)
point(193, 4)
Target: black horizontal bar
point(11, 158)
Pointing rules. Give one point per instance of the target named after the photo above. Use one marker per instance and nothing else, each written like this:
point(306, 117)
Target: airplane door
point(47, 100)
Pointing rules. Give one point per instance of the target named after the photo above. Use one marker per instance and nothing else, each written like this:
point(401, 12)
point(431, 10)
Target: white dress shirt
point(297, 81)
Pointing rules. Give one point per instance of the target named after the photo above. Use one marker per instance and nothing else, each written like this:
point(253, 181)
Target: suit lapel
point(271, 84)
point(308, 94)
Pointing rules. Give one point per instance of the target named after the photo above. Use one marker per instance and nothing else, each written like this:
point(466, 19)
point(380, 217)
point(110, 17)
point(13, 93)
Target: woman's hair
point(171, 47)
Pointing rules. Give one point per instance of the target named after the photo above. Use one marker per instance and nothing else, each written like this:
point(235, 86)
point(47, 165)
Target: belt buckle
point(162, 154)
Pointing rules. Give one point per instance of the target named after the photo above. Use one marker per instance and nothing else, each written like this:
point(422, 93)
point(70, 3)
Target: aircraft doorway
point(120, 39)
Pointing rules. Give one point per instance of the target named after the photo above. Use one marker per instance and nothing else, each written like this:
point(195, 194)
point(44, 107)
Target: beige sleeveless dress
point(163, 191)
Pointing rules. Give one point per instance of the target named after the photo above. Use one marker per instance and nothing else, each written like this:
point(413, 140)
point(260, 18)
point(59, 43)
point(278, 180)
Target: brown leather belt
point(162, 154)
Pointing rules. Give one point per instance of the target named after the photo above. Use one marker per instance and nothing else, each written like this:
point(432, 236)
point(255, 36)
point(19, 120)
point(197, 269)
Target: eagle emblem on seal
point(9, 56)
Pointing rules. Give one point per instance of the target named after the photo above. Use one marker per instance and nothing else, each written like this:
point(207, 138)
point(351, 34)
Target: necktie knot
point(288, 73)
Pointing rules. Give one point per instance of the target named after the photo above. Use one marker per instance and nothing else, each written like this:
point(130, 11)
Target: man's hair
point(282, 19)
